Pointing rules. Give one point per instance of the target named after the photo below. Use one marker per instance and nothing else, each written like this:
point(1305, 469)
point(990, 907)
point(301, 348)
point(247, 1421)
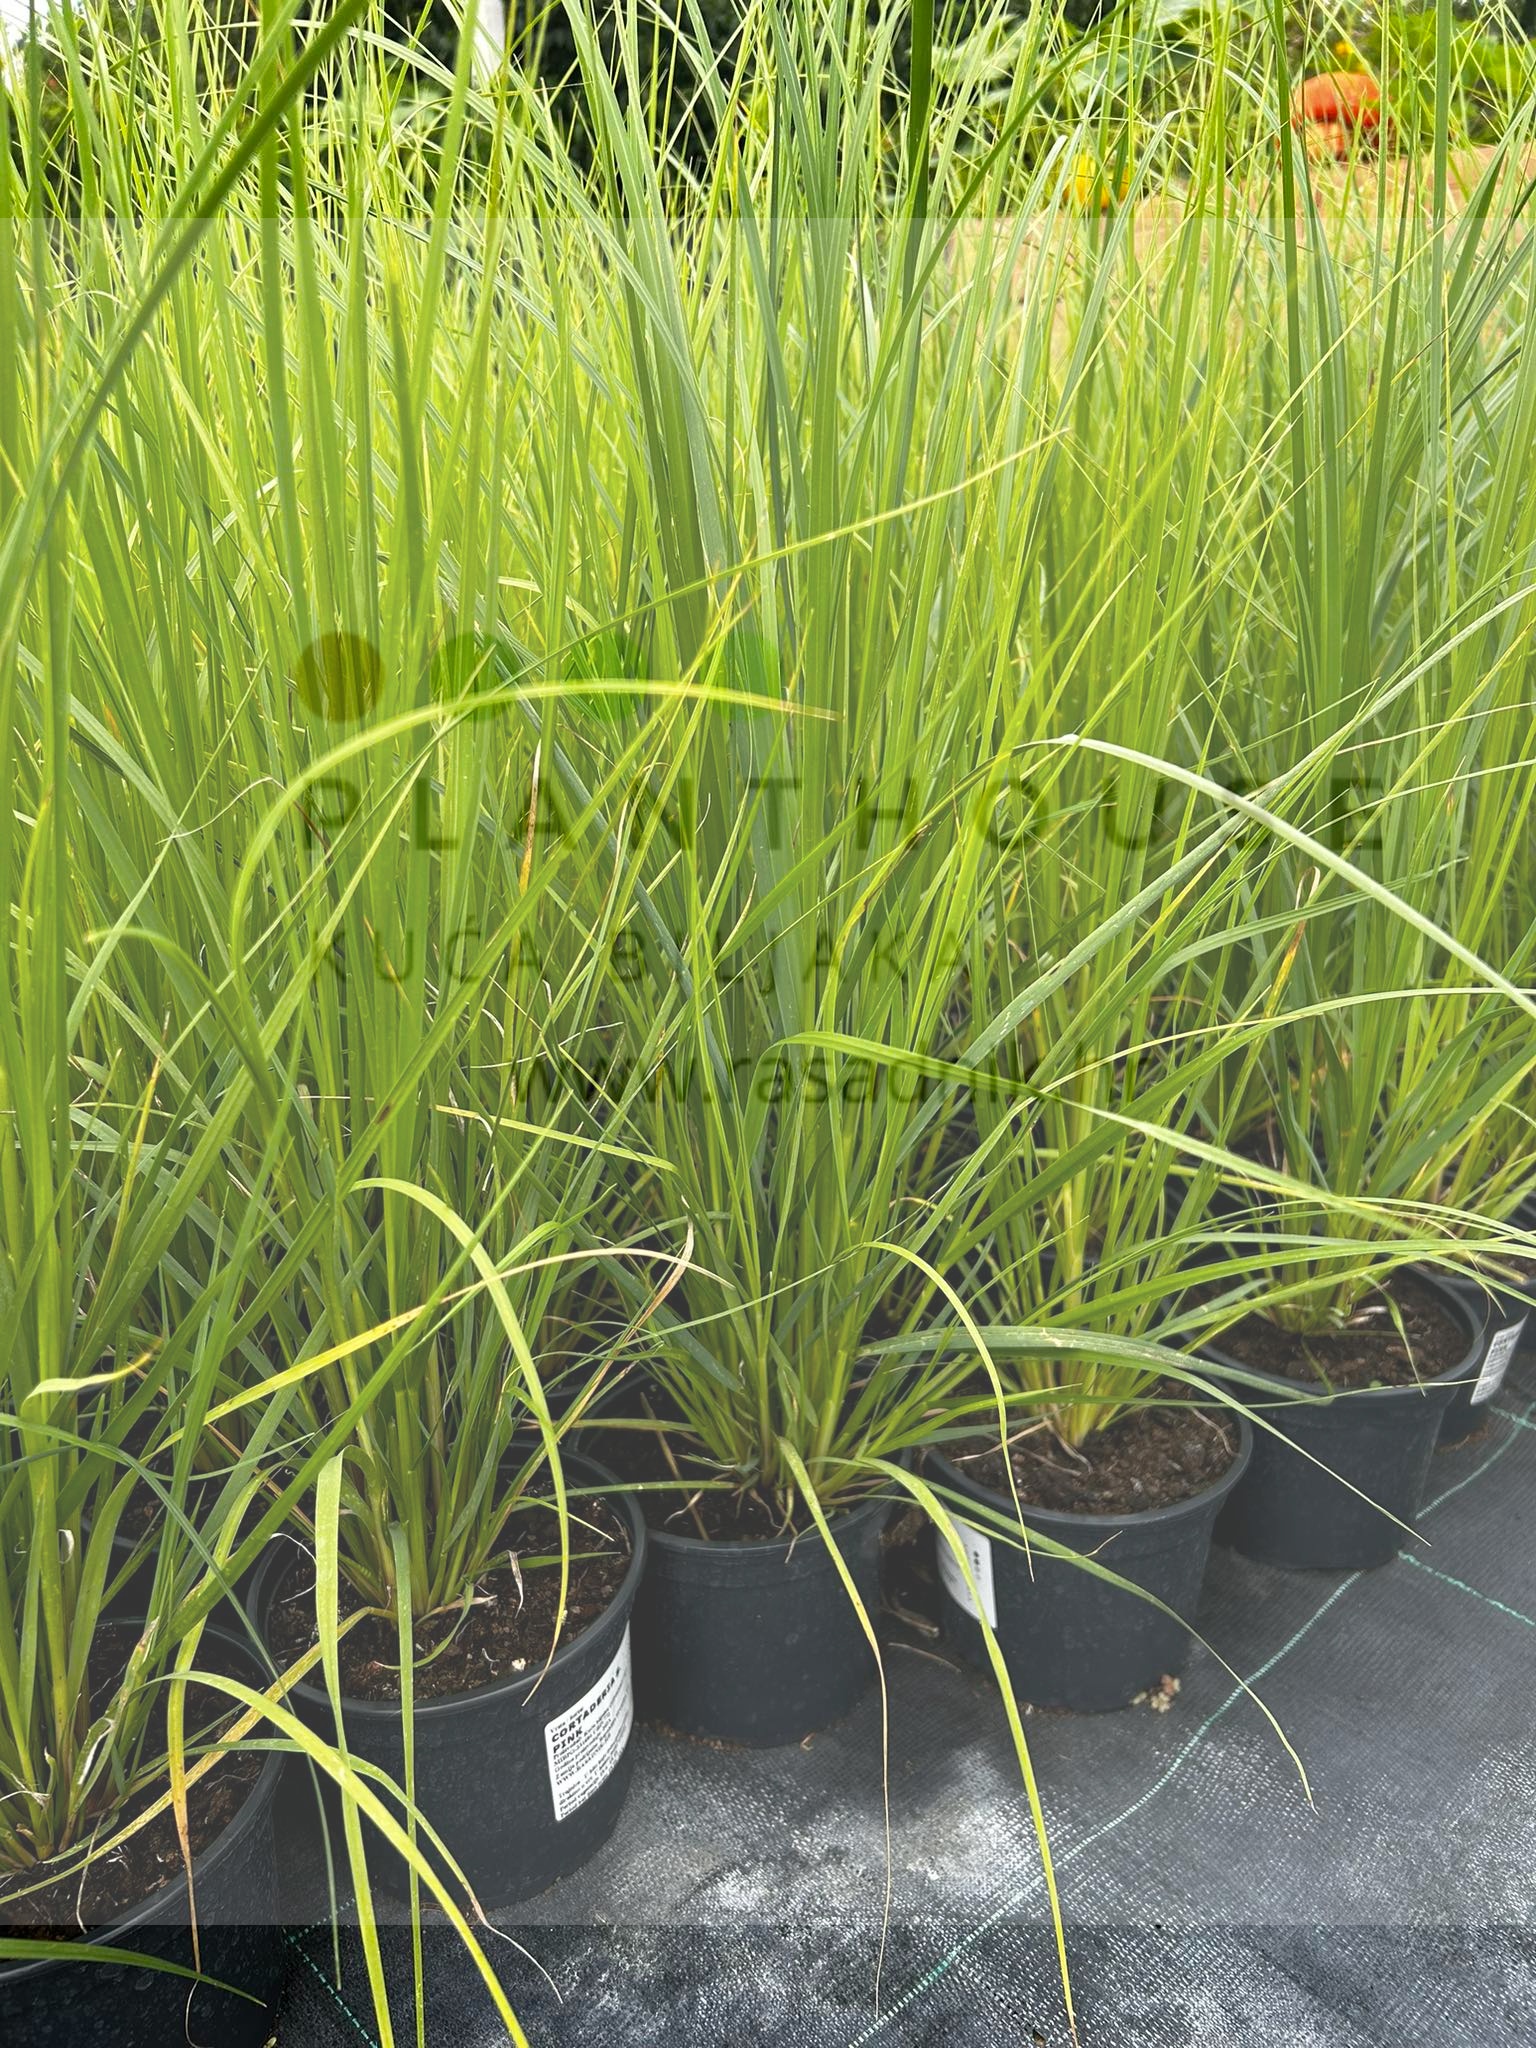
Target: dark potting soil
point(1150, 1458)
point(144, 1508)
point(735, 1517)
point(112, 1885)
point(689, 1500)
point(1369, 1352)
point(141, 1511)
point(510, 1626)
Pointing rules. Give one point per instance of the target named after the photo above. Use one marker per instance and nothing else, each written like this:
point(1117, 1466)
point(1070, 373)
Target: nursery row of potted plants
point(517, 1759)
point(723, 824)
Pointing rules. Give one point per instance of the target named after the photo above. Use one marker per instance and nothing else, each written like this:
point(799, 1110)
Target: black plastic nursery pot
point(134, 1555)
point(524, 1779)
point(757, 1643)
point(1291, 1511)
point(1503, 1317)
point(132, 1596)
point(1069, 1639)
point(63, 2002)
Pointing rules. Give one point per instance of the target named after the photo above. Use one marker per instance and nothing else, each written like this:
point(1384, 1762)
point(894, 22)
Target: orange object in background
point(1092, 188)
point(1336, 107)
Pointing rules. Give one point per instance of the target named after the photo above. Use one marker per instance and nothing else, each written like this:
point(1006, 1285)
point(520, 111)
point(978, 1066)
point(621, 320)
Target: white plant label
point(1501, 1350)
point(586, 1742)
point(978, 1555)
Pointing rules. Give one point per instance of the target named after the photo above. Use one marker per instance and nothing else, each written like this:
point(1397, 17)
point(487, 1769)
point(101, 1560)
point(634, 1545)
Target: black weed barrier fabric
point(1208, 1903)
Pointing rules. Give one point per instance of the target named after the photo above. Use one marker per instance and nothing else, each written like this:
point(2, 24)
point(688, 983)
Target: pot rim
point(1466, 1369)
point(229, 1837)
point(1503, 1307)
point(770, 1546)
point(1129, 1518)
point(524, 1681)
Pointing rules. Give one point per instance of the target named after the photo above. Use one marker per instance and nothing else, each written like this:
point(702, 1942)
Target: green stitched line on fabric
point(926, 1982)
point(932, 1976)
point(297, 1942)
point(946, 1962)
point(1462, 1587)
point(1492, 1458)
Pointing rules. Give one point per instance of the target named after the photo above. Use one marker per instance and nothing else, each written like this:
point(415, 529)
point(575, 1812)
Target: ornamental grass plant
point(148, 1095)
point(810, 738)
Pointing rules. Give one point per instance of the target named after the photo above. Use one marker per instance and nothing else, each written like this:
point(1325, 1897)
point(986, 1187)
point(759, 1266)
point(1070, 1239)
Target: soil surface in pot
point(144, 1506)
point(691, 1501)
point(1150, 1458)
point(509, 1629)
point(114, 1884)
point(1369, 1352)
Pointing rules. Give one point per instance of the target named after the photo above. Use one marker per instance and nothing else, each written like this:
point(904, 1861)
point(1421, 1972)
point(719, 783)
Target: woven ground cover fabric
point(740, 1899)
